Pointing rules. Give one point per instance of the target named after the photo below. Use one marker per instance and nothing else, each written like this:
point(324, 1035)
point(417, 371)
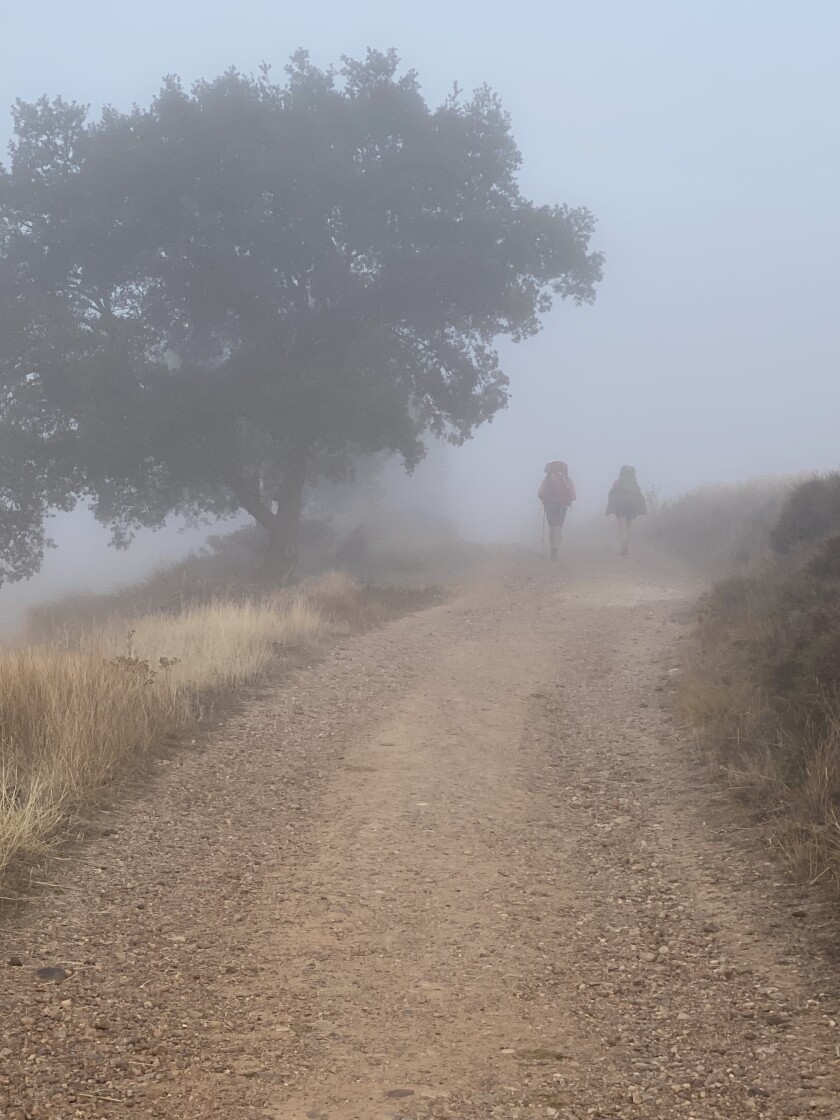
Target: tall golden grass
point(81, 714)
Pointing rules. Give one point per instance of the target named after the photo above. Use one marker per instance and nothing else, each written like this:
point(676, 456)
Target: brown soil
point(464, 867)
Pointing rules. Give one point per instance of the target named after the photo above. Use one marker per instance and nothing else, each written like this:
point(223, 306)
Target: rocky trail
point(465, 866)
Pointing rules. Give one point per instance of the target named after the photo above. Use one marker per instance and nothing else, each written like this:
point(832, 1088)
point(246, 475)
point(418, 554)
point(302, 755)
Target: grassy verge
point(763, 685)
point(81, 714)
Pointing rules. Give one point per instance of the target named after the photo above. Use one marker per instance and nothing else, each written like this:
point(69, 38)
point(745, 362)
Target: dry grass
point(210, 647)
point(790, 778)
point(80, 715)
point(763, 686)
point(70, 723)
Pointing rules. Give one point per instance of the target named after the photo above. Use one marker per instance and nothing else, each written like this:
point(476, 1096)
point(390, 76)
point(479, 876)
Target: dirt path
point(463, 868)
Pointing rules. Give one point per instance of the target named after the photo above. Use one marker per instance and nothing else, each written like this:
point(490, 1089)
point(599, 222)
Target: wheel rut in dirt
point(462, 868)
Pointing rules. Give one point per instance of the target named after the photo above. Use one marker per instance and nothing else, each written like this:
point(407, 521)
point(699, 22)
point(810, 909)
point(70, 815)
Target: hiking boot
point(554, 554)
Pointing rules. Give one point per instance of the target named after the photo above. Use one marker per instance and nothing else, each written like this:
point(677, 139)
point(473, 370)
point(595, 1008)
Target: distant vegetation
point(764, 688)
point(720, 529)
point(410, 547)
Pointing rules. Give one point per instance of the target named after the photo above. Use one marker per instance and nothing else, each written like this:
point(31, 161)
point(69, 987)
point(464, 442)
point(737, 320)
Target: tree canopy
point(206, 301)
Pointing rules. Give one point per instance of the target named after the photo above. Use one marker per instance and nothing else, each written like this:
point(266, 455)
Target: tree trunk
point(281, 524)
point(283, 550)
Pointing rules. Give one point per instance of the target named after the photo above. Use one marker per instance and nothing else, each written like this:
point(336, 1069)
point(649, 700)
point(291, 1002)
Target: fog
point(703, 137)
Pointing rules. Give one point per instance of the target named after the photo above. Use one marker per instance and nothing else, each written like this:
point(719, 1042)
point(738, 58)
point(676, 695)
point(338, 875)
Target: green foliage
point(205, 301)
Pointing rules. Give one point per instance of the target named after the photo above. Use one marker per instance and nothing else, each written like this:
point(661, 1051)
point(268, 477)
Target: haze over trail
point(430, 794)
point(700, 137)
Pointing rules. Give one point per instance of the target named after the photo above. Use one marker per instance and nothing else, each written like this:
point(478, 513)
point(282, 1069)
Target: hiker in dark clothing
point(557, 492)
point(626, 501)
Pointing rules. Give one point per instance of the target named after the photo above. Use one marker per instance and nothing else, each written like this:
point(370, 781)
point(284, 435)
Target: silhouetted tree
point(205, 301)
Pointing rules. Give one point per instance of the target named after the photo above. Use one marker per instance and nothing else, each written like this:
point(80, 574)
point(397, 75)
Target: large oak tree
point(205, 302)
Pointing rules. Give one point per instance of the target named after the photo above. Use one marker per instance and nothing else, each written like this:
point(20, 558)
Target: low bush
point(720, 529)
point(763, 688)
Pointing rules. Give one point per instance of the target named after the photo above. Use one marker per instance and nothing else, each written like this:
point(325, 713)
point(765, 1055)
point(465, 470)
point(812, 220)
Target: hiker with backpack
point(626, 501)
point(557, 492)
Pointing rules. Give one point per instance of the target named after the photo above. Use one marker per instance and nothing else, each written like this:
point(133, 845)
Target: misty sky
point(702, 135)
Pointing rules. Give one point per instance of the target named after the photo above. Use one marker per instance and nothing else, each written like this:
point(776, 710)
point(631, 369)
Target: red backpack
point(557, 489)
